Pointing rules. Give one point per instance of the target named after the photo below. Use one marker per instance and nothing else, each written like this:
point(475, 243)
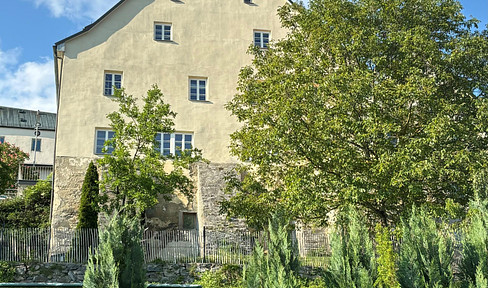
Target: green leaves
point(370, 102)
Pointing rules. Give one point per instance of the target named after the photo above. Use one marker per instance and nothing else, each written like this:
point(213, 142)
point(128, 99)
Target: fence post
point(204, 246)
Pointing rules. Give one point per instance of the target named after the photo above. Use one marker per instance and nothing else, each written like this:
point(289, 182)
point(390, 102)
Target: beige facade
point(208, 41)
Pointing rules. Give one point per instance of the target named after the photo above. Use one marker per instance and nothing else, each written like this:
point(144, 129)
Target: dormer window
point(261, 39)
point(162, 32)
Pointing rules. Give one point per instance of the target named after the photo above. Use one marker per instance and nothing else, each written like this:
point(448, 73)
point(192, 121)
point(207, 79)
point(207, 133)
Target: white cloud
point(28, 85)
point(77, 9)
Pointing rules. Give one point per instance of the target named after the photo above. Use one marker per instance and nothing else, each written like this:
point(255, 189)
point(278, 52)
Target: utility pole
point(37, 133)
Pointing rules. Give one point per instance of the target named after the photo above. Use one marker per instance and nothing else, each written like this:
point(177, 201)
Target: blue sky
point(29, 28)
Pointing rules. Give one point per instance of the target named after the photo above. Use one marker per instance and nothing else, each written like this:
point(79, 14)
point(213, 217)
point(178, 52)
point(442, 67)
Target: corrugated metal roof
point(21, 118)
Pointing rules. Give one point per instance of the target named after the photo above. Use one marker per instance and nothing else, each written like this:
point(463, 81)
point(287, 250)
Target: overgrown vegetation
point(31, 210)
point(7, 272)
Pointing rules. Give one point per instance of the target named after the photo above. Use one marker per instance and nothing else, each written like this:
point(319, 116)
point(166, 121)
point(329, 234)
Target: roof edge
point(89, 27)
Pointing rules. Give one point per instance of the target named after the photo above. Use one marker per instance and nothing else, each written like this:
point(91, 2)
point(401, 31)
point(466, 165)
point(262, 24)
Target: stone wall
point(210, 182)
point(69, 173)
point(74, 273)
point(156, 273)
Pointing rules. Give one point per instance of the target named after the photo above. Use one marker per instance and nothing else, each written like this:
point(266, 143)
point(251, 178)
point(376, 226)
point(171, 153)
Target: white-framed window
point(261, 38)
point(100, 137)
point(173, 143)
point(112, 79)
point(2, 139)
point(198, 89)
point(36, 145)
point(163, 32)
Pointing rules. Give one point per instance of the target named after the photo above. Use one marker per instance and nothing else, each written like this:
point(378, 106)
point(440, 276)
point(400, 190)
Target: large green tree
point(378, 103)
point(136, 173)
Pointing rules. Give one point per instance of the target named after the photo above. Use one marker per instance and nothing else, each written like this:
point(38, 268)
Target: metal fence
point(34, 173)
point(173, 246)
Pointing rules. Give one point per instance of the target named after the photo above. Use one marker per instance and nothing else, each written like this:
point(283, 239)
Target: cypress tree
point(88, 213)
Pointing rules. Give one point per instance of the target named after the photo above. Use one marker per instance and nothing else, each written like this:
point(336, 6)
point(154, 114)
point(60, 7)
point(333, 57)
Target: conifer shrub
point(278, 266)
point(474, 252)
point(88, 212)
point(426, 252)
point(119, 253)
point(352, 261)
point(101, 270)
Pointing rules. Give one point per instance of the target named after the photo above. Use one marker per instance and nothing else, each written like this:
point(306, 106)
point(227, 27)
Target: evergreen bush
point(119, 253)
point(88, 212)
point(278, 268)
point(426, 253)
point(352, 261)
point(473, 266)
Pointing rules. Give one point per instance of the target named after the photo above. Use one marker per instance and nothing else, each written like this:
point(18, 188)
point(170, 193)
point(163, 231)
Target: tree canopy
point(377, 103)
point(134, 174)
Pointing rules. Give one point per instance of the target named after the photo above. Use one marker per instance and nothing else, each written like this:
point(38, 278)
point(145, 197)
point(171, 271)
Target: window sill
point(165, 41)
point(201, 101)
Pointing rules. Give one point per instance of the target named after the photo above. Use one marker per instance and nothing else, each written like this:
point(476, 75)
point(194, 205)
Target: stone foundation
point(69, 176)
point(155, 273)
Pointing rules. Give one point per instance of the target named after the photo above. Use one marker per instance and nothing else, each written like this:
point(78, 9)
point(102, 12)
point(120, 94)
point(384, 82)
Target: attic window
point(162, 31)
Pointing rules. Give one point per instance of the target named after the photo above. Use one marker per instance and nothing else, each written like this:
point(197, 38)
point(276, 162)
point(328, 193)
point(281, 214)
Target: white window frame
point(106, 138)
point(112, 82)
point(172, 142)
point(164, 27)
point(198, 95)
point(261, 43)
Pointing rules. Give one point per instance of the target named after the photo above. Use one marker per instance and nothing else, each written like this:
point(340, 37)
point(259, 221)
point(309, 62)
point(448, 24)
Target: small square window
point(261, 39)
point(198, 89)
point(188, 221)
point(101, 136)
point(36, 145)
point(112, 80)
point(162, 32)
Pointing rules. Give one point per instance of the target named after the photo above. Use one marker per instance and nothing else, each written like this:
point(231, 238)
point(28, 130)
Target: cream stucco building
point(193, 50)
